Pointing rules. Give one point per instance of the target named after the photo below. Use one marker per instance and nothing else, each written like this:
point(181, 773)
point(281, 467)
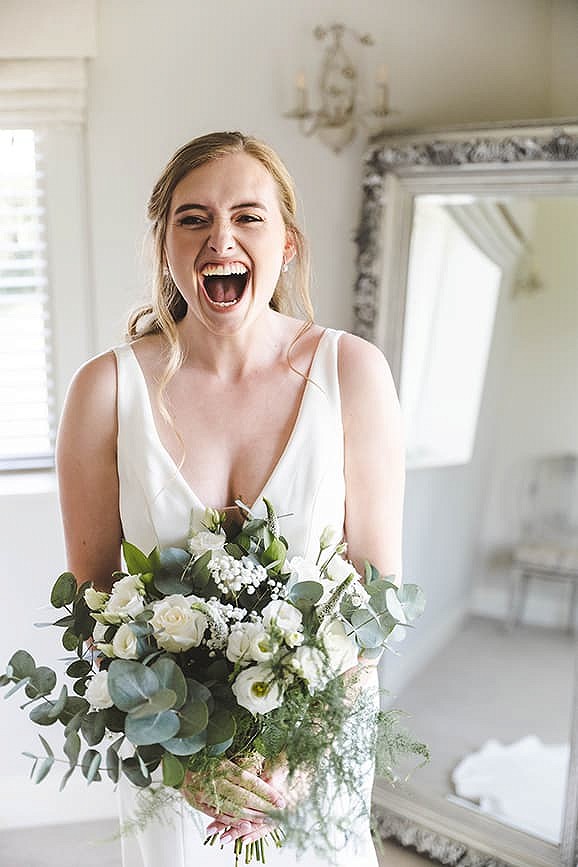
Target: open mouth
point(224, 284)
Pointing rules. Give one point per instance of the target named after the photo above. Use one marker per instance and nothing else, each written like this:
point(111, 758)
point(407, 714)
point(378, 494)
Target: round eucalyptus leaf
point(75, 707)
point(368, 631)
point(90, 765)
point(131, 768)
point(194, 717)
point(186, 746)
point(171, 677)
point(113, 763)
point(162, 700)
point(22, 665)
point(64, 591)
point(42, 682)
point(42, 714)
point(412, 600)
point(79, 668)
point(70, 640)
point(152, 729)
point(114, 719)
point(198, 691)
point(72, 748)
point(221, 727)
point(131, 683)
point(305, 594)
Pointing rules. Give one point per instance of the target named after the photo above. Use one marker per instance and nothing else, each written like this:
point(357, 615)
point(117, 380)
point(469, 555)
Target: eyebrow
point(193, 206)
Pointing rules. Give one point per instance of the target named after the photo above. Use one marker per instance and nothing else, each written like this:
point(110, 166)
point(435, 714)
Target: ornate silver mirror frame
point(527, 159)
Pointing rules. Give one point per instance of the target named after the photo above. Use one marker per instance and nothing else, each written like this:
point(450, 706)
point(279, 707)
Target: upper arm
point(87, 473)
point(374, 457)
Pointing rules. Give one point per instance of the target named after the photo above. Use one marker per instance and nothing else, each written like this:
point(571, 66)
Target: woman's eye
point(248, 218)
point(191, 220)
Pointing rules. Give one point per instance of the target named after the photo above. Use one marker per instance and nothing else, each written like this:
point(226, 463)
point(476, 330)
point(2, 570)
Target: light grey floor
point(90, 845)
point(489, 683)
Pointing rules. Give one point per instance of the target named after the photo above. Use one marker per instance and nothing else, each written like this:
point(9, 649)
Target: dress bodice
point(307, 485)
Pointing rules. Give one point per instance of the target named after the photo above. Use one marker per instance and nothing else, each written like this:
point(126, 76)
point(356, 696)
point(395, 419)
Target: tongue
point(223, 288)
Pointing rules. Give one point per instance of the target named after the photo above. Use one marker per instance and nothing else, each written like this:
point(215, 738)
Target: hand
point(239, 804)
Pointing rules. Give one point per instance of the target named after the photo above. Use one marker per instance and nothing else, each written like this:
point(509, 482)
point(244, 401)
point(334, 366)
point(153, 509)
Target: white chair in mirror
point(547, 549)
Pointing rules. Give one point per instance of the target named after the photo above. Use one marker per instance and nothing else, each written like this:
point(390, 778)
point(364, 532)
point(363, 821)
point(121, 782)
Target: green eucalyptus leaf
point(162, 700)
point(42, 714)
point(79, 668)
point(168, 579)
point(171, 677)
point(221, 728)
point(198, 691)
point(60, 702)
point(130, 683)
point(66, 777)
point(114, 719)
point(74, 723)
point(186, 746)
point(43, 768)
point(46, 746)
point(173, 771)
point(93, 727)
point(113, 764)
point(305, 595)
point(412, 600)
point(234, 550)
point(136, 561)
point(65, 621)
point(74, 705)
point(194, 717)
point(132, 770)
point(80, 686)
point(152, 729)
point(90, 764)
point(367, 628)
point(42, 682)
point(64, 591)
point(70, 640)
point(18, 685)
point(21, 664)
point(72, 748)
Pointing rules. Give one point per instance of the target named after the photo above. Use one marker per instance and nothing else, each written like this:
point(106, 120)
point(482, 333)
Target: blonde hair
point(167, 306)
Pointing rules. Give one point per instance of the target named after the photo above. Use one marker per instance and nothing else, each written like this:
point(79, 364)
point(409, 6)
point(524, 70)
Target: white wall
point(167, 71)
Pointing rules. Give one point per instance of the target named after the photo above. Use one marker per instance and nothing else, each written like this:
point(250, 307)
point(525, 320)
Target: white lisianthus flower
point(341, 648)
point(125, 643)
point(294, 639)
point(206, 540)
point(97, 694)
point(177, 625)
point(262, 646)
point(95, 599)
point(240, 639)
point(311, 664)
point(394, 607)
point(330, 537)
point(282, 614)
point(126, 599)
point(302, 570)
point(338, 569)
point(255, 689)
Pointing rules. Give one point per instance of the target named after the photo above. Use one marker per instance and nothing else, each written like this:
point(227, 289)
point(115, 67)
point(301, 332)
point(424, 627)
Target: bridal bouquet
point(228, 649)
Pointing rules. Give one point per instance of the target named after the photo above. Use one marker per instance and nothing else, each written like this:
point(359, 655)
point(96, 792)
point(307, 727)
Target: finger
point(243, 831)
point(255, 784)
point(257, 794)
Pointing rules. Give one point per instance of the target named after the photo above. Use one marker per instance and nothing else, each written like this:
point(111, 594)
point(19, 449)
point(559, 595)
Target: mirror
point(468, 281)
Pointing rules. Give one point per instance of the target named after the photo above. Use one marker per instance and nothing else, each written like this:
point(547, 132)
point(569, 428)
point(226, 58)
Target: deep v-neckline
point(164, 452)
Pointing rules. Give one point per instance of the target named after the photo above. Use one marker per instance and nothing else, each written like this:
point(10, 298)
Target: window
point(453, 289)
point(26, 410)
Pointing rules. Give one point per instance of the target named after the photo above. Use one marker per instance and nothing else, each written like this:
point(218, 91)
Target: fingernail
point(226, 839)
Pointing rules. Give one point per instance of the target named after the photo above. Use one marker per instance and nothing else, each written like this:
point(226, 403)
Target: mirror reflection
point(488, 391)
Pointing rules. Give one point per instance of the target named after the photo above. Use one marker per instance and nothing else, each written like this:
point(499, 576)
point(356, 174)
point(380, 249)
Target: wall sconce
point(337, 119)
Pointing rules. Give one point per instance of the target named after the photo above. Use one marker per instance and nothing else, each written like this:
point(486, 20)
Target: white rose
point(311, 664)
point(283, 614)
point(177, 626)
point(394, 607)
point(95, 599)
point(206, 540)
point(239, 644)
point(255, 689)
point(341, 648)
point(124, 643)
point(97, 694)
point(126, 599)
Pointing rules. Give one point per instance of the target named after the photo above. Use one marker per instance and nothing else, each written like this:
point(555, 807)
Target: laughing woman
point(227, 390)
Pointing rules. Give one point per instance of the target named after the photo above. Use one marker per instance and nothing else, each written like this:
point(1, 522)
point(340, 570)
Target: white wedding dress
point(156, 505)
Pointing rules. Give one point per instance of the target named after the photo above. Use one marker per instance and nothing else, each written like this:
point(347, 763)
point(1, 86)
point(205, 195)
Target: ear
point(290, 248)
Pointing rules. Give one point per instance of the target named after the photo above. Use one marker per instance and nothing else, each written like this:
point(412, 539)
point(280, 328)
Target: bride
point(227, 390)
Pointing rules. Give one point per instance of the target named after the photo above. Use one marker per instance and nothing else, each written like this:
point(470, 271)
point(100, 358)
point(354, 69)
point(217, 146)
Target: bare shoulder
point(364, 375)
point(93, 386)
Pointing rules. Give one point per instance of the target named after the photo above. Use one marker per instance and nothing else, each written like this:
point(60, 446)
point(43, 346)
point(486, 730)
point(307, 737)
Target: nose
point(221, 238)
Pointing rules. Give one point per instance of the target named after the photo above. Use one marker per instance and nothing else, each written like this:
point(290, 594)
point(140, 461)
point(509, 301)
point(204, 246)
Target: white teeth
point(224, 270)
point(224, 303)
